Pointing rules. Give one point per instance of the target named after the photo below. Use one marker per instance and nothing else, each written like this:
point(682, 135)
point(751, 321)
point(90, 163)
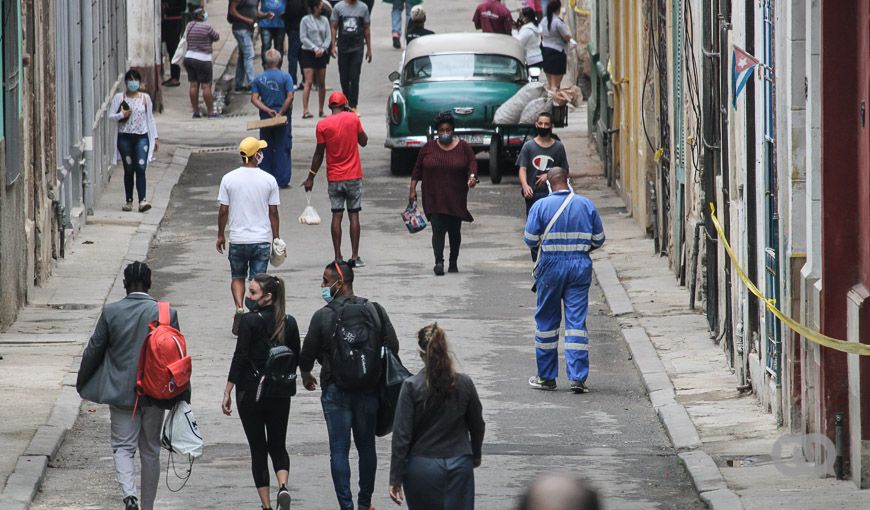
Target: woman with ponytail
point(437, 433)
point(555, 42)
point(264, 418)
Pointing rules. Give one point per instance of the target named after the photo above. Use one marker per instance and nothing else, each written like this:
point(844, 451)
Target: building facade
point(783, 160)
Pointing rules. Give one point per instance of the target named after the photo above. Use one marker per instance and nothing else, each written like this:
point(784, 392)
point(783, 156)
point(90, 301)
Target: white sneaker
point(128, 206)
point(144, 206)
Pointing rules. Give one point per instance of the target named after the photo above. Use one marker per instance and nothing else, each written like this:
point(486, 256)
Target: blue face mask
point(326, 293)
point(205, 16)
point(133, 85)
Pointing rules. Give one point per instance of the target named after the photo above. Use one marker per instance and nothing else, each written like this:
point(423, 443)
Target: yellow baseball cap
point(251, 146)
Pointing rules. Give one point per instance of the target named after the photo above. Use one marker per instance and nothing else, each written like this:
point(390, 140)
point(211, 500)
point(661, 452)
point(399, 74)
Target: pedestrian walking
point(536, 158)
point(416, 25)
point(314, 31)
point(492, 16)
point(559, 492)
point(339, 136)
point(555, 41)
point(565, 227)
point(437, 433)
point(243, 16)
point(351, 34)
point(265, 411)
point(350, 394)
point(136, 137)
point(249, 202)
point(198, 61)
point(447, 168)
point(272, 28)
point(295, 11)
point(107, 375)
point(171, 28)
point(396, 17)
point(529, 35)
point(272, 94)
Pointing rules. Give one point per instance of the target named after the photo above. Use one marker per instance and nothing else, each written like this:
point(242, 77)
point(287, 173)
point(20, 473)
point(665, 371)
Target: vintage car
point(468, 74)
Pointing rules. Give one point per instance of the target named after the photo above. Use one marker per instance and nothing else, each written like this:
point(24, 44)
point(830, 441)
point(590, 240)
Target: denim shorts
point(249, 259)
point(346, 193)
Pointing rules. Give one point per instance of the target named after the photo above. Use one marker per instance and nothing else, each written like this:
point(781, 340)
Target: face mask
point(133, 85)
point(205, 16)
point(543, 132)
point(445, 138)
point(259, 157)
point(326, 294)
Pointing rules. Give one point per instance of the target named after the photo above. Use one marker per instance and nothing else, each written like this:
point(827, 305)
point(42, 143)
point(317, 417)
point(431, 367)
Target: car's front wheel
point(402, 161)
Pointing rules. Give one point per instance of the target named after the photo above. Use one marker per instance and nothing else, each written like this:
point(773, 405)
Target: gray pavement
point(611, 436)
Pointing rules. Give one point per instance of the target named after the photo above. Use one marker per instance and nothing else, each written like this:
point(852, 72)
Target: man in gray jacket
point(107, 375)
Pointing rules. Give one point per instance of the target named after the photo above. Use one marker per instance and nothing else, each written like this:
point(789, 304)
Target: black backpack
point(355, 354)
point(278, 379)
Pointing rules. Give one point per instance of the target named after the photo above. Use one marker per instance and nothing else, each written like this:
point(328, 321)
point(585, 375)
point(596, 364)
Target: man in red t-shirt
point(492, 16)
point(338, 136)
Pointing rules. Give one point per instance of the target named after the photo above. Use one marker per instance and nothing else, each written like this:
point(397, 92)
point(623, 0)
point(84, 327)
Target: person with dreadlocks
point(107, 375)
point(437, 433)
point(264, 418)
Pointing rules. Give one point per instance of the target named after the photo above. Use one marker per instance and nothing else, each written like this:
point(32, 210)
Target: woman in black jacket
point(437, 433)
point(264, 416)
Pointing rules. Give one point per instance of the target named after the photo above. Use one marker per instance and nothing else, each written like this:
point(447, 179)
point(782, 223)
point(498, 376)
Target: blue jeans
point(134, 156)
point(249, 259)
point(345, 412)
point(294, 46)
point(397, 15)
point(245, 59)
point(271, 36)
point(436, 484)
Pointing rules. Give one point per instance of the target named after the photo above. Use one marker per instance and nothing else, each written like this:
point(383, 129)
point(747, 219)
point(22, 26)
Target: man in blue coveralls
point(565, 227)
point(272, 94)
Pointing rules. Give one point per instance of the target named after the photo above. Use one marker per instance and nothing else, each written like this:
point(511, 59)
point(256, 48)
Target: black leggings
point(349, 69)
point(265, 425)
point(451, 226)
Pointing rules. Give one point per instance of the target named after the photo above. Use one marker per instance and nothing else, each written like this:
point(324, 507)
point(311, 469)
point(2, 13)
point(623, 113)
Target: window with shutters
point(10, 106)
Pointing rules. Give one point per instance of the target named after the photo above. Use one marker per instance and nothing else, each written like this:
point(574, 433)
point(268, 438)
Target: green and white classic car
point(468, 74)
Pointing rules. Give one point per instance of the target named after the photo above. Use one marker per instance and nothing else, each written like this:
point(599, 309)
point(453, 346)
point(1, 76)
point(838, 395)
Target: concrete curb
point(29, 473)
point(705, 474)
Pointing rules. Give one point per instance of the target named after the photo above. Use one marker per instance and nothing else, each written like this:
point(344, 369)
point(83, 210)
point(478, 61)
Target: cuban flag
point(742, 64)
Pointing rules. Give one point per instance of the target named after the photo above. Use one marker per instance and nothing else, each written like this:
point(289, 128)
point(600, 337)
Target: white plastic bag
point(279, 252)
point(309, 215)
point(181, 433)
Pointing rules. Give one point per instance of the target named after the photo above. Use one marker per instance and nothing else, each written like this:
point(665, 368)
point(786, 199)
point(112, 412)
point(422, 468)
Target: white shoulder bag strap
point(547, 230)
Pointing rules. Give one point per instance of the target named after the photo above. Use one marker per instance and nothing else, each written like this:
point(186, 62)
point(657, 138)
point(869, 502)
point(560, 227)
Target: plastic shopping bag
point(309, 215)
point(180, 432)
point(413, 218)
point(279, 252)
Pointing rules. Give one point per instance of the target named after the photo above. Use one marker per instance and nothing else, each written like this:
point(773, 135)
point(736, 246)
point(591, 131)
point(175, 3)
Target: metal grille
point(773, 329)
point(679, 121)
point(660, 39)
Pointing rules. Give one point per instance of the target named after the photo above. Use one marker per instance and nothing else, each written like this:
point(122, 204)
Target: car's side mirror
point(394, 76)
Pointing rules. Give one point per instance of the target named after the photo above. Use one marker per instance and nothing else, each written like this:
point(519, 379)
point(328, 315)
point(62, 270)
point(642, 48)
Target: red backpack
point(164, 365)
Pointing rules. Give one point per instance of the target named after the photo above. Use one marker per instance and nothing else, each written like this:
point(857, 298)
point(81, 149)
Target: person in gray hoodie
point(107, 375)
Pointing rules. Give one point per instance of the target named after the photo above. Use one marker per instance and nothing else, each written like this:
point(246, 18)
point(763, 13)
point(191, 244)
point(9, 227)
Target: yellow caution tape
point(813, 336)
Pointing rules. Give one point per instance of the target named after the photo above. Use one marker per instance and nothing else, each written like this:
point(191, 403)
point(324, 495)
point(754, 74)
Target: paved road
point(610, 436)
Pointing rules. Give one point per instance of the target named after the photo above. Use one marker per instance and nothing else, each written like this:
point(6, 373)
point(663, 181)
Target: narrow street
point(610, 436)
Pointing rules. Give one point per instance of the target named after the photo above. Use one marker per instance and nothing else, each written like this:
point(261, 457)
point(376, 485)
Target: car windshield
point(463, 67)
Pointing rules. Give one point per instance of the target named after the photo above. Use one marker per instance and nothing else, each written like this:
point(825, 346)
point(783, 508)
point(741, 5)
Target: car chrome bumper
point(405, 142)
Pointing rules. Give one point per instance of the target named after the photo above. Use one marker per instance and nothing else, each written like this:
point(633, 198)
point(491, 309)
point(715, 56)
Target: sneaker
point(144, 206)
point(357, 262)
point(283, 498)
point(128, 206)
point(131, 503)
point(579, 387)
point(172, 82)
point(370, 507)
point(453, 268)
point(439, 269)
point(397, 43)
point(197, 115)
point(236, 319)
point(542, 384)
point(215, 116)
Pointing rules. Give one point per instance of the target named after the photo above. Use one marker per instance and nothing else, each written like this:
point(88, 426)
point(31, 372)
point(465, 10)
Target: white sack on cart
point(511, 111)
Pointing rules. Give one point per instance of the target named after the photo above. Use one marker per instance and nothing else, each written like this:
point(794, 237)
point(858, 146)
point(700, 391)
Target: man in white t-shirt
point(249, 203)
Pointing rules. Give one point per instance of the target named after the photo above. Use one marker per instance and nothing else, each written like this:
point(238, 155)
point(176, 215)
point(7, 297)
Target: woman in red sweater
point(448, 168)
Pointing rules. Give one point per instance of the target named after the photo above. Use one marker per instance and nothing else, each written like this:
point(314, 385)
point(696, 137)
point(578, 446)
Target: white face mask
point(259, 157)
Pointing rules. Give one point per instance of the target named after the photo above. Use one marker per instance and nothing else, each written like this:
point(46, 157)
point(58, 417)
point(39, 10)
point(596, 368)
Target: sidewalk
point(726, 438)
point(41, 350)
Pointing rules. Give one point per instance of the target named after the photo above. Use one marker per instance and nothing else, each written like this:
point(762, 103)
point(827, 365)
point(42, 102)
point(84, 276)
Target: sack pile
point(511, 111)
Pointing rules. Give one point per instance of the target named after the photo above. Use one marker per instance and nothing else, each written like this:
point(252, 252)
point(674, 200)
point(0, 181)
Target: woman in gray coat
point(437, 433)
